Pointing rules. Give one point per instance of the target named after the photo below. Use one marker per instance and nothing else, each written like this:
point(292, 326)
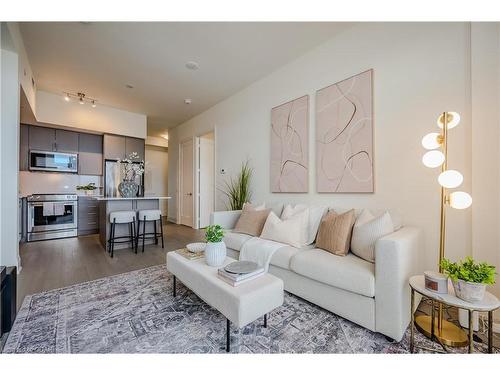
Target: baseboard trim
point(172, 219)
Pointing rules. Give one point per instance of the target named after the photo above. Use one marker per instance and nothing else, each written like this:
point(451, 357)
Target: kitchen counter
point(110, 204)
point(101, 198)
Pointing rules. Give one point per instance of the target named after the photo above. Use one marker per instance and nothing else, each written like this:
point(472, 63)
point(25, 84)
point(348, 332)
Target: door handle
point(189, 194)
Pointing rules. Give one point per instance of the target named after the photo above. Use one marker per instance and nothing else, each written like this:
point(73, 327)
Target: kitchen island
point(110, 204)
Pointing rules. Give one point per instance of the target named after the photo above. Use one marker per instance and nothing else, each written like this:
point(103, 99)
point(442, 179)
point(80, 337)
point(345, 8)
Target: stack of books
point(236, 279)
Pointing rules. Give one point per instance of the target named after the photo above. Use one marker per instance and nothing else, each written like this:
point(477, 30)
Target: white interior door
point(186, 179)
point(156, 174)
point(206, 180)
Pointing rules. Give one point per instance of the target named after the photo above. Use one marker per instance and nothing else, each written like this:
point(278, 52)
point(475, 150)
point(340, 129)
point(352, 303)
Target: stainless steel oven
point(50, 161)
point(52, 216)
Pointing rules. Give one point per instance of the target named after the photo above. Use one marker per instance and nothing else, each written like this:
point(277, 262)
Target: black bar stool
point(122, 217)
point(144, 217)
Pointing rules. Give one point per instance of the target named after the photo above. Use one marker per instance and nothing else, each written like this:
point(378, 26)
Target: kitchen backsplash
point(47, 183)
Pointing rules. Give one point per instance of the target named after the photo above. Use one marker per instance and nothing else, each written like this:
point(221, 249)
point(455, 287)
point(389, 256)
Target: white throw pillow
point(299, 209)
point(288, 231)
point(366, 231)
point(316, 213)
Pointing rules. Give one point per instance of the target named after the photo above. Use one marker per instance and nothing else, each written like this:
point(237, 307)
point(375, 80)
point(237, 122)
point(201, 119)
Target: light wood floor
point(55, 264)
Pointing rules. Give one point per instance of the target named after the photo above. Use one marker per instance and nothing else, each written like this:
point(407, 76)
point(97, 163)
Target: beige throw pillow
point(334, 233)
point(251, 221)
point(288, 231)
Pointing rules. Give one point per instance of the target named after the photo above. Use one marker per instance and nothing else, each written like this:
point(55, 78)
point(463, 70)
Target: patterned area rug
point(135, 312)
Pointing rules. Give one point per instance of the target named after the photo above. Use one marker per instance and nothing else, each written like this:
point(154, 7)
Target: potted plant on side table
point(469, 278)
point(215, 251)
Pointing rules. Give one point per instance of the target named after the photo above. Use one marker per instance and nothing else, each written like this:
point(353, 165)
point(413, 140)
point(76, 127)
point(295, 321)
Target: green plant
point(90, 186)
point(214, 233)
point(238, 189)
point(468, 270)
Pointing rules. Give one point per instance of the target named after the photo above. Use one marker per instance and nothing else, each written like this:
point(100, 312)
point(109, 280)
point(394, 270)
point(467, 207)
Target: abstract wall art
point(290, 147)
point(344, 136)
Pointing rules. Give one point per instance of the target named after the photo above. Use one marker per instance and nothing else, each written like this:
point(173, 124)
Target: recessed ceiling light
point(187, 101)
point(129, 86)
point(192, 65)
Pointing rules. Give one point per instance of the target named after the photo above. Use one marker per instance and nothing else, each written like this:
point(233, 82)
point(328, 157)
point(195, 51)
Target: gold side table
point(489, 304)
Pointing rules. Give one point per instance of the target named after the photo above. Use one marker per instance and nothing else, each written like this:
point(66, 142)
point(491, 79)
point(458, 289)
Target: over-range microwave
point(50, 161)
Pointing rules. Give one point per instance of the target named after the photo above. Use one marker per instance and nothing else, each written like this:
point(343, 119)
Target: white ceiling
point(99, 59)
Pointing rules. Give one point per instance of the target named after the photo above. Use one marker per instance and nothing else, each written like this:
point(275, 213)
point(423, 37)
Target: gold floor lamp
point(437, 143)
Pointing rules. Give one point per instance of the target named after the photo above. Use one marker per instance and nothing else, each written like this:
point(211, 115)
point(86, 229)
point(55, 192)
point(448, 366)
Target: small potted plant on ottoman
point(469, 278)
point(215, 251)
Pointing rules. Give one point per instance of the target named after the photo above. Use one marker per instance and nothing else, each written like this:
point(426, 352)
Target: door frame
point(197, 175)
point(180, 178)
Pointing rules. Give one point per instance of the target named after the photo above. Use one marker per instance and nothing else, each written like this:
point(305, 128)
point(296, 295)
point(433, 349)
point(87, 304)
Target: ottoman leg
point(228, 336)
point(175, 291)
point(265, 320)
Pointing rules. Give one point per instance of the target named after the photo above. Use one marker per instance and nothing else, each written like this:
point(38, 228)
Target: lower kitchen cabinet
point(88, 216)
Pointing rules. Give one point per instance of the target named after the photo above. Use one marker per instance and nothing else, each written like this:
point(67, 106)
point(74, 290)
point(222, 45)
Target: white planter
point(470, 292)
point(215, 253)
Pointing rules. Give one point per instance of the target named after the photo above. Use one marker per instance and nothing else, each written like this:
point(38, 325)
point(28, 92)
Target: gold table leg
point(412, 321)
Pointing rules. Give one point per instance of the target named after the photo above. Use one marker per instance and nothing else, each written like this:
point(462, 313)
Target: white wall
point(485, 138)
point(9, 149)
point(53, 109)
point(156, 176)
point(25, 73)
point(419, 71)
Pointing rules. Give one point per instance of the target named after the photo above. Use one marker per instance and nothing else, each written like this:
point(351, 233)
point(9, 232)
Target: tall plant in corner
point(237, 189)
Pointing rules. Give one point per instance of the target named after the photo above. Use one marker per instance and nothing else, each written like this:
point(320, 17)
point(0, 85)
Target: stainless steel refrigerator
point(113, 175)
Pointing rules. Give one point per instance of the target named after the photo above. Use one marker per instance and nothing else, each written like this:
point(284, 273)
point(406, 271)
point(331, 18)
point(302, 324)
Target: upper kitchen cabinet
point(24, 148)
point(114, 147)
point(42, 139)
point(48, 139)
point(119, 147)
point(66, 141)
point(135, 145)
point(90, 154)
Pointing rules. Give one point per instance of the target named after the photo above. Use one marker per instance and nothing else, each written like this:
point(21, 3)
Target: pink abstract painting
point(290, 147)
point(344, 136)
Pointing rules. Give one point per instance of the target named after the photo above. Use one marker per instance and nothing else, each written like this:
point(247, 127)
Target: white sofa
point(373, 295)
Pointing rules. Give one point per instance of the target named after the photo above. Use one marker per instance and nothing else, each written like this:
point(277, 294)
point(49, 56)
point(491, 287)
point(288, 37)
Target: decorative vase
point(128, 189)
point(470, 292)
point(215, 253)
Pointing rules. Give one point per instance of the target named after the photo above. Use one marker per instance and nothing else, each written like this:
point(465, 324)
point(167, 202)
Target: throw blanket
point(259, 251)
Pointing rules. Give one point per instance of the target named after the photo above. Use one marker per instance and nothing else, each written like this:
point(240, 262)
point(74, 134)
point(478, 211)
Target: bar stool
point(145, 216)
point(122, 217)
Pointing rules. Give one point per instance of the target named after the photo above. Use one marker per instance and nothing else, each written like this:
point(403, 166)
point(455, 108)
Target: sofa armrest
point(226, 219)
point(397, 257)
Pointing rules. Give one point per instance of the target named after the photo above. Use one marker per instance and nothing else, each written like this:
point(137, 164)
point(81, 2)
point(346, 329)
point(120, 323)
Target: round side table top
point(489, 302)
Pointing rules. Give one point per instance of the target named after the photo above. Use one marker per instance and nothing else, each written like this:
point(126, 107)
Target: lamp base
point(450, 334)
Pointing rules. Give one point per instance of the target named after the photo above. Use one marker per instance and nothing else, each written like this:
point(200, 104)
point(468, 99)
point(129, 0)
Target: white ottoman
point(240, 305)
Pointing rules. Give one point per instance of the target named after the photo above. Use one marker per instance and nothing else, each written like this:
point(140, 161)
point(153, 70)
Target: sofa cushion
point(251, 220)
point(288, 231)
point(281, 257)
point(235, 240)
point(334, 233)
point(350, 273)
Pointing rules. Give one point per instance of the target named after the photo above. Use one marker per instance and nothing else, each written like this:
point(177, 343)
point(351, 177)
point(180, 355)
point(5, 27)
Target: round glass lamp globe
point(450, 179)
point(460, 200)
point(433, 159)
point(453, 120)
point(430, 141)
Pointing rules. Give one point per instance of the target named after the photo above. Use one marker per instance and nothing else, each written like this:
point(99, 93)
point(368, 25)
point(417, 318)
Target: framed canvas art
point(290, 147)
point(344, 136)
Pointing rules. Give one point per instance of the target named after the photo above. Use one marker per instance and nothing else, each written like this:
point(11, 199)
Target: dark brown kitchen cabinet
point(119, 147)
point(135, 145)
point(24, 148)
point(114, 147)
point(88, 216)
point(48, 139)
point(66, 141)
point(42, 139)
point(90, 154)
